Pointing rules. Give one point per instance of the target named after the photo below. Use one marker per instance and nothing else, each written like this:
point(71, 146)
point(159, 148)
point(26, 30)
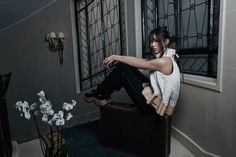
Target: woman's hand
point(107, 62)
point(162, 109)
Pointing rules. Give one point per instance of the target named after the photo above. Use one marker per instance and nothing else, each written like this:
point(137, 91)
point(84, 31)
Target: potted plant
point(53, 144)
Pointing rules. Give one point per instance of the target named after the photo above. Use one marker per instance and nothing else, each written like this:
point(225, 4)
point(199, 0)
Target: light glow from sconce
point(55, 43)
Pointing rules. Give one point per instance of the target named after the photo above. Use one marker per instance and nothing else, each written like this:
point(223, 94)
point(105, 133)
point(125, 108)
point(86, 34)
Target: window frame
point(214, 84)
point(210, 83)
point(75, 47)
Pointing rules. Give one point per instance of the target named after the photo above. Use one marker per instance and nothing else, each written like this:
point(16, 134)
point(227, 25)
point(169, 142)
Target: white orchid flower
point(68, 106)
point(58, 115)
point(42, 97)
point(60, 122)
point(18, 105)
point(25, 105)
point(59, 118)
point(55, 117)
point(45, 118)
point(51, 112)
point(42, 100)
point(33, 106)
point(27, 114)
point(46, 108)
point(43, 109)
point(73, 103)
point(61, 114)
point(41, 94)
point(25, 108)
point(69, 116)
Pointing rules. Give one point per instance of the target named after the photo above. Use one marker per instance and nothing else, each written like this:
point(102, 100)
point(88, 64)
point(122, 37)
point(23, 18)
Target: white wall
point(209, 117)
point(25, 53)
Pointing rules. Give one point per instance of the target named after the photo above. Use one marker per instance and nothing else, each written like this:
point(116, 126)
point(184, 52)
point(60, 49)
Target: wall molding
point(27, 17)
point(193, 147)
point(75, 47)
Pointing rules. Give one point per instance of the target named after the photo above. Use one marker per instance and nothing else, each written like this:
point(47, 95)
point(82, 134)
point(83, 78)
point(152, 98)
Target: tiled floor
point(32, 149)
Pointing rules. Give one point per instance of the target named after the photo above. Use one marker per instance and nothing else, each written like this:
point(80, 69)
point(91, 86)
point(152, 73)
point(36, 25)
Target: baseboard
point(15, 149)
point(90, 116)
point(194, 148)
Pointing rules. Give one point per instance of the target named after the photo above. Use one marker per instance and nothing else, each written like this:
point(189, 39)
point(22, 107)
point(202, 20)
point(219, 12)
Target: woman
point(164, 76)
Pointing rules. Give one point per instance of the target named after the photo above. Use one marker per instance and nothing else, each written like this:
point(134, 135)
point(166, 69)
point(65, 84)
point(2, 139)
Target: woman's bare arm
point(163, 65)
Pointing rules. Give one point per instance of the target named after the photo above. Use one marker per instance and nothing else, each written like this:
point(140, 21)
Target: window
point(194, 28)
point(100, 25)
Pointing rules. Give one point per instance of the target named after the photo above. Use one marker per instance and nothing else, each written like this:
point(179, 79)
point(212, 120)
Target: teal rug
point(85, 142)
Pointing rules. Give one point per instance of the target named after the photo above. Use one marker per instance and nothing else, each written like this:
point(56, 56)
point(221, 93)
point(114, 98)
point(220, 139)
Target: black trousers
point(131, 79)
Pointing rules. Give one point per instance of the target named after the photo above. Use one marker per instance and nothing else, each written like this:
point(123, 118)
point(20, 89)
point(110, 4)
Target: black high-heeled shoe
point(97, 97)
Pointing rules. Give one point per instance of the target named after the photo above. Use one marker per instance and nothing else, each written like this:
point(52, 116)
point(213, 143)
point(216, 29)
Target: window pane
point(100, 25)
point(194, 24)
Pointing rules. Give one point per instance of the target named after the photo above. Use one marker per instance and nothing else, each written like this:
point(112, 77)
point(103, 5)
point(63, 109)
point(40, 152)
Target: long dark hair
point(159, 35)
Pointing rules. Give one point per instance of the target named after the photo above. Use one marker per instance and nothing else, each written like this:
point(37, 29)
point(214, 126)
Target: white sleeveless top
point(166, 87)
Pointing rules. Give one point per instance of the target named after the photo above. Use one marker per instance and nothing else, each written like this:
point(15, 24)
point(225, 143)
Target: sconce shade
point(56, 43)
point(60, 35)
point(52, 35)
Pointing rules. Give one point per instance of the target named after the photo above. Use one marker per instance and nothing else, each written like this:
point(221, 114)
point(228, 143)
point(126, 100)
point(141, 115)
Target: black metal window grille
point(100, 25)
point(194, 27)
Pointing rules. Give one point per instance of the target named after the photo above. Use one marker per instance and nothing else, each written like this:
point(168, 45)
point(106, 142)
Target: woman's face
point(154, 45)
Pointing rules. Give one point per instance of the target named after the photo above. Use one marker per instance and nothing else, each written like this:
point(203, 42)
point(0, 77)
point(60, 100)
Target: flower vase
point(54, 146)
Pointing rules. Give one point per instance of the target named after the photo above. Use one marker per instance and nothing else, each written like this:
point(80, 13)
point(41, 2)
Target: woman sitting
point(164, 77)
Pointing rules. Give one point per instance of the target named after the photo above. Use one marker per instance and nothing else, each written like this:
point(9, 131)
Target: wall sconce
point(55, 43)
